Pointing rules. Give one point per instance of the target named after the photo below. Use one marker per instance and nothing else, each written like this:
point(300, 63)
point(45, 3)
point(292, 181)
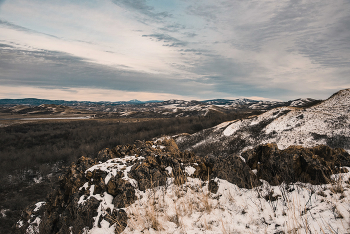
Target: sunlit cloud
point(82, 94)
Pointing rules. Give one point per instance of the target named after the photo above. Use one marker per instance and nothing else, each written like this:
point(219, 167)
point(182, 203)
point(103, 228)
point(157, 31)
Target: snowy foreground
point(189, 208)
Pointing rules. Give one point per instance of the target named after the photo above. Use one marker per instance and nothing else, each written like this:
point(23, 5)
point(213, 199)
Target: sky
point(118, 50)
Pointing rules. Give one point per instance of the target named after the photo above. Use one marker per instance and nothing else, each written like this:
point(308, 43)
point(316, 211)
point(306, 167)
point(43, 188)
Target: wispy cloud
point(56, 69)
point(7, 24)
point(204, 49)
point(169, 40)
point(142, 7)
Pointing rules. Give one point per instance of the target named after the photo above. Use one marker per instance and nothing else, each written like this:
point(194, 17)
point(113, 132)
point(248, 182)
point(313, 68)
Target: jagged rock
point(100, 187)
point(296, 163)
point(235, 171)
point(171, 146)
point(97, 178)
point(213, 186)
point(339, 156)
point(105, 155)
point(29, 215)
point(174, 162)
point(72, 205)
point(59, 205)
point(87, 211)
point(118, 217)
point(112, 186)
point(148, 174)
point(123, 192)
point(230, 168)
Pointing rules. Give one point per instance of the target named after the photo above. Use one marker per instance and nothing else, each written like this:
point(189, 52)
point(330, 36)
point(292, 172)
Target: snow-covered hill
point(242, 103)
point(326, 123)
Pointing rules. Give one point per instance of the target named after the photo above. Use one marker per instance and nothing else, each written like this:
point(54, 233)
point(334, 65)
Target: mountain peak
point(340, 99)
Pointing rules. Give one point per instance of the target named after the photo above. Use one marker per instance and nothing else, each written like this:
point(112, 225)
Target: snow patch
point(222, 125)
point(113, 166)
point(243, 159)
point(38, 206)
point(231, 129)
point(3, 212)
point(169, 169)
point(190, 170)
point(33, 227)
point(38, 180)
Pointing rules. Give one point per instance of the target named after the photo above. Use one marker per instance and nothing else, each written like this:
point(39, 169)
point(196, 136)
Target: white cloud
point(227, 48)
point(105, 35)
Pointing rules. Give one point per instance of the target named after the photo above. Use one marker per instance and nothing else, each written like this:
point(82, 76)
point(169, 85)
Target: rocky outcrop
point(93, 192)
point(235, 170)
point(122, 191)
point(61, 206)
point(311, 165)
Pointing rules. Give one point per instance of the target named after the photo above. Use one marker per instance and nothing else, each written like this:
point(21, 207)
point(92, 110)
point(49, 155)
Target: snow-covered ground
point(190, 208)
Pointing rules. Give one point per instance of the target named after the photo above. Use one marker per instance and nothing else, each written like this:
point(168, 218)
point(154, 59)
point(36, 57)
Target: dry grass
point(337, 184)
point(192, 206)
point(185, 201)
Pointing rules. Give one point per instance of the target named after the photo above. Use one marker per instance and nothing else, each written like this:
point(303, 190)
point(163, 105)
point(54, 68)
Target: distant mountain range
point(37, 102)
point(225, 103)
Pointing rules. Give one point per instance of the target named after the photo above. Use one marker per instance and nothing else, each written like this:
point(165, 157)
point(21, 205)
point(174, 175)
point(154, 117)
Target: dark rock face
point(106, 154)
point(213, 186)
point(60, 203)
point(148, 173)
point(29, 215)
point(296, 163)
point(123, 192)
point(119, 215)
point(234, 170)
point(230, 168)
point(86, 212)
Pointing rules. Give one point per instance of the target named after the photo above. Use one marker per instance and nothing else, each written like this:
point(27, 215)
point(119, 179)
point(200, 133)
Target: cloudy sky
point(161, 49)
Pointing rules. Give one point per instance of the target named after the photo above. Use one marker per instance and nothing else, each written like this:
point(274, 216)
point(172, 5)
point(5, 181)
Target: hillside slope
point(326, 123)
